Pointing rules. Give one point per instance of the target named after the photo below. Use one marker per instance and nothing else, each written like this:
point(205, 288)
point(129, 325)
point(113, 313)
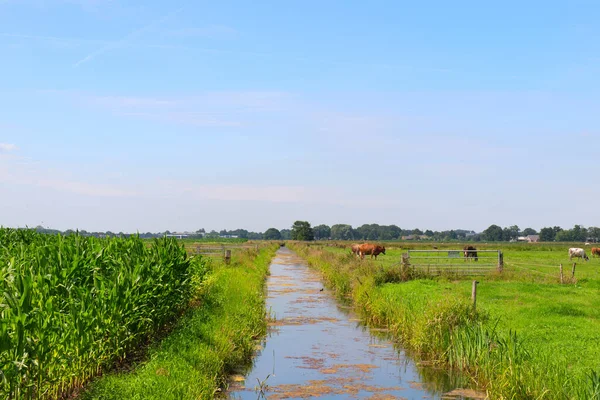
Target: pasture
point(554, 328)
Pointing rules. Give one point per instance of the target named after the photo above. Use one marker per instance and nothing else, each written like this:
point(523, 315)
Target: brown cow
point(372, 249)
point(470, 252)
point(356, 249)
point(595, 251)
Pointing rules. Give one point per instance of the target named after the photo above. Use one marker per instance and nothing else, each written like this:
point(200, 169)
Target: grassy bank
point(218, 334)
point(530, 337)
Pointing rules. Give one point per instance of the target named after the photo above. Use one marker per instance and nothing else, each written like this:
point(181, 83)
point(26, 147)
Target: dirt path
point(317, 348)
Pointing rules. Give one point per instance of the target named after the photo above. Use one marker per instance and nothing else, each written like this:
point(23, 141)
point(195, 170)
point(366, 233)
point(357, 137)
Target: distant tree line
point(302, 230)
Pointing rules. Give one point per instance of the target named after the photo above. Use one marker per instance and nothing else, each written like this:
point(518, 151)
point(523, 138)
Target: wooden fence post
point(573, 271)
point(500, 261)
point(227, 256)
point(561, 274)
point(405, 260)
point(474, 295)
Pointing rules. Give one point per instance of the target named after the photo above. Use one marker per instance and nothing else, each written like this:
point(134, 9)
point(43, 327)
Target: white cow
point(578, 252)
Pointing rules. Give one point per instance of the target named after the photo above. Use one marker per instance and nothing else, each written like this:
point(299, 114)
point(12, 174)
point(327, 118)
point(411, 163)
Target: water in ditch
point(318, 348)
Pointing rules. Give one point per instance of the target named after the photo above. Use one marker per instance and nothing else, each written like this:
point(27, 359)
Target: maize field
point(72, 307)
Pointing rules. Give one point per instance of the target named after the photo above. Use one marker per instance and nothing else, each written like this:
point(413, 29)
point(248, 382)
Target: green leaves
point(71, 306)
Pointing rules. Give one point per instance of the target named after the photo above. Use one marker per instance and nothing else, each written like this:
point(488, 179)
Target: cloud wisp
point(6, 147)
point(208, 31)
point(213, 109)
point(125, 40)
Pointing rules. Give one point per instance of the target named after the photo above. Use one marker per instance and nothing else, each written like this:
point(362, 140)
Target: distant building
point(533, 238)
point(415, 237)
point(228, 236)
point(177, 235)
point(180, 235)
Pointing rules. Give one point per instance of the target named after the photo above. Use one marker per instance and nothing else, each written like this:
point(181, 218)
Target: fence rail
point(218, 250)
point(454, 261)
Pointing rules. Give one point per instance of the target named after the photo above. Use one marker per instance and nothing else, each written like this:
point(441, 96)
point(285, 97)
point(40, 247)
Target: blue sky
point(152, 115)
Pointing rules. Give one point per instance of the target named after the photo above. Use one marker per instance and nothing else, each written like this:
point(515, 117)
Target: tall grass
point(70, 306)
point(442, 327)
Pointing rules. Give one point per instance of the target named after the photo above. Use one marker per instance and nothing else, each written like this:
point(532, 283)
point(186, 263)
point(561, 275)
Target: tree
point(286, 234)
point(212, 234)
point(493, 233)
point(514, 232)
point(429, 233)
point(367, 232)
point(450, 235)
point(342, 232)
point(272, 234)
point(547, 235)
point(579, 233)
point(594, 233)
point(529, 231)
point(301, 230)
point(255, 236)
point(322, 232)
point(564, 236)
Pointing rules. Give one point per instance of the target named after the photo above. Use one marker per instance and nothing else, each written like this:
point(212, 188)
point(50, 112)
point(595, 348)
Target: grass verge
point(524, 342)
point(214, 337)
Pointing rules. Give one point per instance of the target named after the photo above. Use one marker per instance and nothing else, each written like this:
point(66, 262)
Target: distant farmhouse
point(415, 237)
point(183, 235)
point(529, 238)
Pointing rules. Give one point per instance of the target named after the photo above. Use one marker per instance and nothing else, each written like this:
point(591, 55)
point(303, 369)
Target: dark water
point(317, 348)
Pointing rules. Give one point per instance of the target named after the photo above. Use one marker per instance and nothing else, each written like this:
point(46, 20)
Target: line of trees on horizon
point(302, 230)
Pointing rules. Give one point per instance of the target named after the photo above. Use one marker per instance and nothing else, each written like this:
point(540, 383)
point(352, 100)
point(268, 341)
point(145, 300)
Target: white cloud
point(20, 171)
point(7, 147)
point(85, 188)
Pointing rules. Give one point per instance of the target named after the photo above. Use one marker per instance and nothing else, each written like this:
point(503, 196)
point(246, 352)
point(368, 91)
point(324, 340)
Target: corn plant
point(72, 306)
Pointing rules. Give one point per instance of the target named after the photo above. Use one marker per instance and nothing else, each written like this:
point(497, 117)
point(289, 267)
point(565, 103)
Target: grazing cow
point(578, 253)
point(470, 252)
point(595, 251)
point(356, 249)
point(372, 249)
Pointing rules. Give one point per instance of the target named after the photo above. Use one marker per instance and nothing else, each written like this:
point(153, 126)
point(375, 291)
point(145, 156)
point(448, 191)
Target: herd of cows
point(470, 252)
point(580, 253)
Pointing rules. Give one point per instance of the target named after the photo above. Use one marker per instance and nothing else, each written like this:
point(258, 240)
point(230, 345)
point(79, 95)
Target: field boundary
point(453, 261)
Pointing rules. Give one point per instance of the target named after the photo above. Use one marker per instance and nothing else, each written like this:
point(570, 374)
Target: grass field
point(552, 329)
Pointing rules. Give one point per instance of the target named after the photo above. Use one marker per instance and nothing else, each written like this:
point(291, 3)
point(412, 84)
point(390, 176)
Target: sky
point(152, 115)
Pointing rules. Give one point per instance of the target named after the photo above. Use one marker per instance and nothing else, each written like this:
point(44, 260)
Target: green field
point(557, 326)
point(73, 308)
